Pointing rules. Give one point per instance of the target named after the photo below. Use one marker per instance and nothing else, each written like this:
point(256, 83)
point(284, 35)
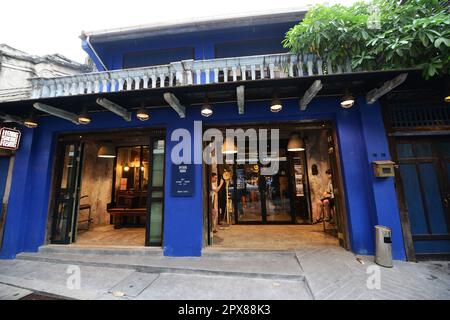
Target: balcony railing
point(185, 73)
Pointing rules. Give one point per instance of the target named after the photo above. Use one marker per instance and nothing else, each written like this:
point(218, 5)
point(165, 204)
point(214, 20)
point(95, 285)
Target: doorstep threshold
point(246, 252)
point(96, 249)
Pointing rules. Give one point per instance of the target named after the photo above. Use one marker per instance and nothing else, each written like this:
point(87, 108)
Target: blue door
point(424, 166)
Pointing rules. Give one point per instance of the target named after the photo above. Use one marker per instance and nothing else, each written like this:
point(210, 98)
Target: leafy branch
point(409, 34)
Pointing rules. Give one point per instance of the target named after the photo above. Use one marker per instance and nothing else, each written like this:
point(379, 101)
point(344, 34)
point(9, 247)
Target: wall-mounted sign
point(9, 138)
point(182, 180)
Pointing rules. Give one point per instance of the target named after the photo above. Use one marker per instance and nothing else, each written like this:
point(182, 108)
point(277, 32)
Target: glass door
point(249, 193)
point(67, 193)
point(278, 193)
point(155, 157)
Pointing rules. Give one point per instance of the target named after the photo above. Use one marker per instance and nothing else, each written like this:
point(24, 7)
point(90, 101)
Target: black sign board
point(182, 184)
point(9, 139)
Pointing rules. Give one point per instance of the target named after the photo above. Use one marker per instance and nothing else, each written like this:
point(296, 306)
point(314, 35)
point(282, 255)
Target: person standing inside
point(214, 200)
point(326, 202)
point(222, 200)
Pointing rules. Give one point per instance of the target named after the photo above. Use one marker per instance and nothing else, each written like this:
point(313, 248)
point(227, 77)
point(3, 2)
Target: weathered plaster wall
point(96, 182)
point(317, 154)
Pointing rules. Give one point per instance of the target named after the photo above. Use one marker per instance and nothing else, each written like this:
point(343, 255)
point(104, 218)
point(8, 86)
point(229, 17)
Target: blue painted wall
point(112, 53)
point(4, 166)
point(360, 132)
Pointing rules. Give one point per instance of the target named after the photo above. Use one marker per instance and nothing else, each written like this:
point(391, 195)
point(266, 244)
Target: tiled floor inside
point(106, 235)
point(256, 237)
point(272, 237)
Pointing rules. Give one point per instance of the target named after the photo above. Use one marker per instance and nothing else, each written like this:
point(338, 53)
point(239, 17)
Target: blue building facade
point(360, 133)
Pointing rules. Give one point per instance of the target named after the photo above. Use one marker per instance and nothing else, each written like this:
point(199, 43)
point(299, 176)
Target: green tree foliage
point(409, 34)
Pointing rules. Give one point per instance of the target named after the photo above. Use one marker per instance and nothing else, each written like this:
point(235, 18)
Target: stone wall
point(17, 67)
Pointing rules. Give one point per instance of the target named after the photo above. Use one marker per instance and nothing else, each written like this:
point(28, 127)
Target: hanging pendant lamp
point(206, 109)
point(296, 143)
point(229, 147)
point(107, 150)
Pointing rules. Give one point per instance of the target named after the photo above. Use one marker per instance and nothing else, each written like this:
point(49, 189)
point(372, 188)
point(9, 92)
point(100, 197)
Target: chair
point(86, 206)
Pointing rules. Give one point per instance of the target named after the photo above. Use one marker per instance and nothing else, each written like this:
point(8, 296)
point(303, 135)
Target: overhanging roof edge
point(196, 24)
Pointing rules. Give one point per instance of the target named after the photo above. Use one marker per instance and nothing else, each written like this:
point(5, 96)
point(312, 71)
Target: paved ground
point(310, 273)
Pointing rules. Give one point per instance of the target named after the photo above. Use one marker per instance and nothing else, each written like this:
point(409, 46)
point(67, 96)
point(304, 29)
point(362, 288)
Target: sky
point(42, 27)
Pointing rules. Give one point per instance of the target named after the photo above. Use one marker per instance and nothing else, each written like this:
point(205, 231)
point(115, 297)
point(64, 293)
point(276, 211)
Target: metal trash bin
point(383, 246)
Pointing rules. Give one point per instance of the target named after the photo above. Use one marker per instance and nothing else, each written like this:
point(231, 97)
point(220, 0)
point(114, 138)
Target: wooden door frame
point(341, 196)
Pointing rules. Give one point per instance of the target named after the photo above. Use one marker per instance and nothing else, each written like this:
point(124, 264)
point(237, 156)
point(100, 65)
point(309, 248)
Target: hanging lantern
point(347, 101)
point(206, 109)
point(30, 121)
point(276, 105)
point(83, 117)
point(142, 114)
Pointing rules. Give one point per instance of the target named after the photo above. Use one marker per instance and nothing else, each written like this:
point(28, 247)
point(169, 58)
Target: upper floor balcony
point(186, 73)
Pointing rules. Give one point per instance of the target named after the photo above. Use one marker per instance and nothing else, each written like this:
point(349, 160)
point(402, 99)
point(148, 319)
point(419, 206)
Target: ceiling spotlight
point(276, 105)
point(206, 109)
point(347, 101)
point(447, 99)
point(31, 121)
point(142, 114)
point(83, 117)
point(296, 143)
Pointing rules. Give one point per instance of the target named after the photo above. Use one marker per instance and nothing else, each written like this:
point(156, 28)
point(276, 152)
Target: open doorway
point(102, 189)
point(298, 205)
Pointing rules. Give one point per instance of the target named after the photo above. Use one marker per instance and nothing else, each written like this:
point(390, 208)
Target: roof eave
point(195, 25)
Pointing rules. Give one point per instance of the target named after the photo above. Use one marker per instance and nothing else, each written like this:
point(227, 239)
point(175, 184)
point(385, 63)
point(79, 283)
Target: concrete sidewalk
point(309, 273)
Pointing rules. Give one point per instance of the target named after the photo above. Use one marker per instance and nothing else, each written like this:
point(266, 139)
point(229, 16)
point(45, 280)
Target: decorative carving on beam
point(114, 108)
point(11, 118)
point(376, 94)
point(310, 94)
point(56, 112)
point(240, 99)
point(172, 100)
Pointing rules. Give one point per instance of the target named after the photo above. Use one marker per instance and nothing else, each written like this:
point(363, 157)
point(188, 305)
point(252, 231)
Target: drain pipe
point(85, 38)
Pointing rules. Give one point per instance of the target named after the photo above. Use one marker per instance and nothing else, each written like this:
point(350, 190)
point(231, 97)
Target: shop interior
point(112, 189)
point(294, 207)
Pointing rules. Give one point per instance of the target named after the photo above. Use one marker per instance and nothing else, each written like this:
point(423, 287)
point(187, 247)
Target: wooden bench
point(118, 214)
